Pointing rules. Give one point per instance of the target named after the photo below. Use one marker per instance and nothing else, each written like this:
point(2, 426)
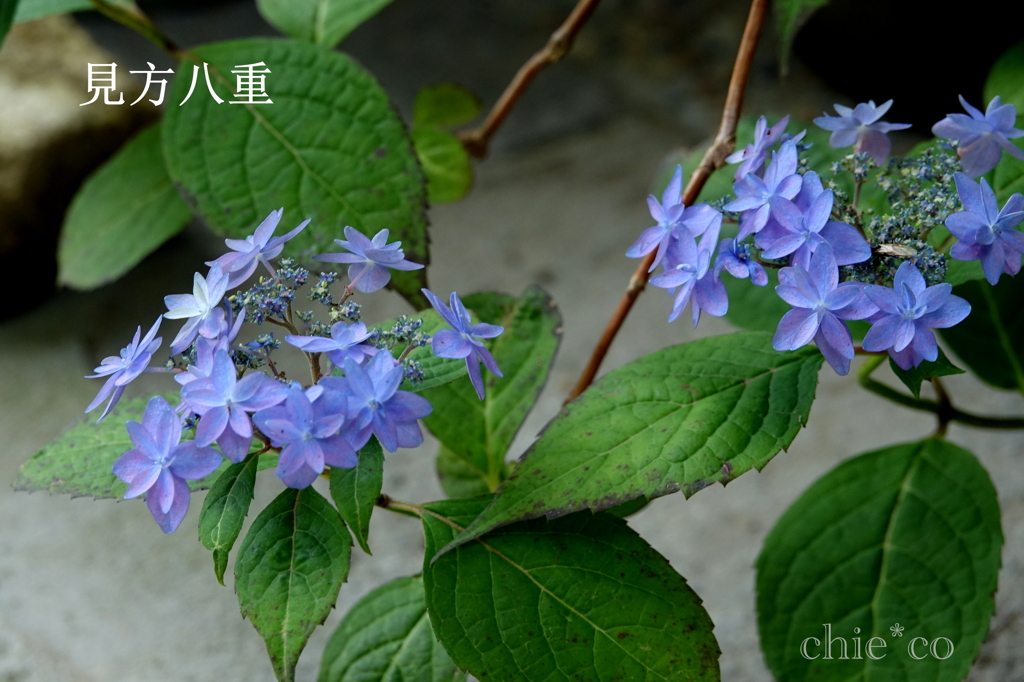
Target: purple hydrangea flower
point(987, 233)
point(735, 257)
point(755, 196)
point(907, 314)
point(160, 463)
point(671, 216)
point(257, 248)
point(375, 405)
point(687, 266)
point(199, 307)
point(797, 233)
point(861, 128)
point(983, 137)
point(346, 342)
point(306, 428)
point(820, 303)
point(462, 340)
point(751, 158)
point(371, 261)
point(121, 369)
point(224, 402)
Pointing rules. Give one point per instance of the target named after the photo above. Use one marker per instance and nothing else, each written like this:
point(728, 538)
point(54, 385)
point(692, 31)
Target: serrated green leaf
point(580, 598)
point(386, 637)
point(991, 340)
point(329, 148)
point(790, 16)
point(913, 377)
point(681, 418)
point(445, 164)
point(78, 463)
point(908, 535)
point(289, 570)
point(324, 22)
point(355, 490)
point(444, 105)
point(122, 213)
point(7, 10)
point(1006, 79)
point(224, 510)
point(479, 432)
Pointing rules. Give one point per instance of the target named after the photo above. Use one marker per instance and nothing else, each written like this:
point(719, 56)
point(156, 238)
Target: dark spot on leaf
point(380, 152)
point(623, 635)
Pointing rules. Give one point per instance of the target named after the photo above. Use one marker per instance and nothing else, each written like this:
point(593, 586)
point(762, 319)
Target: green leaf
point(908, 535)
point(444, 105)
point(7, 10)
point(445, 164)
point(1008, 177)
point(1006, 79)
point(752, 307)
point(991, 340)
point(459, 478)
point(329, 148)
point(355, 490)
point(122, 213)
point(913, 377)
point(78, 463)
point(580, 598)
point(36, 9)
point(436, 371)
point(324, 22)
point(386, 637)
point(681, 418)
point(224, 510)
point(790, 15)
point(289, 570)
point(479, 432)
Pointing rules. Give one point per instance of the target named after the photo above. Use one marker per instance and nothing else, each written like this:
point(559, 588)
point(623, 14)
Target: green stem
point(1004, 337)
point(132, 17)
point(943, 410)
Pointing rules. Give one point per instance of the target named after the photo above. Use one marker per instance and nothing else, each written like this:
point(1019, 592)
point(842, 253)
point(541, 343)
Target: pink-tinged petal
point(1013, 239)
point(171, 518)
point(882, 334)
point(212, 424)
point(266, 229)
point(475, 377)
point(974, 112)
point(796, 329)
point(143, 441)
point(312, 344)
point(875, 144)
point(924, 344)
point(681, 299)
point(965, 252)
point(138, 471)
point(904, 334)
point(373, 278)
point(844, 137)
point(234, 447)
point(162, 491)
point(192, 461)
point(823, 270)
point(842, 296)
point(980, 157)
point(837, 360)
point(758, 275)
point(838, 336)
point(832, 123)
point(407, 407)
point(339, 258)
point(783, 246)
point(384, 429)
point(649, 240)
point(338, 452)
point(818, 213)
point(291, 459)
point(711, 296)
point(162, 423)
point(300, 478)
point(952, 312)
point(906, 358)
point(239, 422)
point(1001, 116)
point(794, 296)
point(269, 393)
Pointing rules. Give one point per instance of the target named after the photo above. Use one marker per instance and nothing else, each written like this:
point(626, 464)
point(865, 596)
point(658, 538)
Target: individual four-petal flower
point(370, 260)
point(907, 313)
point(983, 137)
point(121, 369)
point(463, 339)
point(861, 128)
point(346, 341)
point(986, 232)
point(160, 463)
point(756, 196)
point(200, 308)
point(259, 247)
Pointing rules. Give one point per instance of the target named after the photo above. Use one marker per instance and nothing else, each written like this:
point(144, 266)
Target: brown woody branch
point(477, 140)
point(713, 159)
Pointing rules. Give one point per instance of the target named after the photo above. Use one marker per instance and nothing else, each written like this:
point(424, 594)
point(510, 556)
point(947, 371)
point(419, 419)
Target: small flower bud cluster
point(350, 311)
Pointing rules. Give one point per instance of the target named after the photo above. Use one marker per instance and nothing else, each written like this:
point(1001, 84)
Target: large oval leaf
point(580, 598)
point(386, 637)
point(355, 490)
point(289, 570)
point(329, 148)
point(906, 536)
point(325, 22)
point(681, 418)
point(122, 213)
point(224, 510)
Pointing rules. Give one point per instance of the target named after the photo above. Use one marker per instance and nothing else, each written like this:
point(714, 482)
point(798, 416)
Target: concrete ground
point(92, 591)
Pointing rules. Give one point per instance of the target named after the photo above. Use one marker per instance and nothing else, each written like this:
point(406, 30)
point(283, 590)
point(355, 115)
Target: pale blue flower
point(371, 261)
point(463, 339)
point(199, 308)
point(861, 128)
point(986, 232)
point(259, 247)
point(121, 369)
point(983, 137)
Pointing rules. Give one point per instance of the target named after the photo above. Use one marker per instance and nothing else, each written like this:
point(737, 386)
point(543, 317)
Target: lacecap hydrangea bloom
point(121, 369)
point(463, 339)
point(861, 128)
point(986, 232)
point(370, 260)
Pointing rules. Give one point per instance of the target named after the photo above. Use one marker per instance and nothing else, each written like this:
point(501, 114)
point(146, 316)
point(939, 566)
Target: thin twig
point(477, 140)
point(714, 158)
point(945, 411)
point(132, 17)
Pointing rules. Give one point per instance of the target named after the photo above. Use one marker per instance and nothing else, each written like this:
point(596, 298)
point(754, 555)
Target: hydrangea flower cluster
point(224, 402)
point(837, 262)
